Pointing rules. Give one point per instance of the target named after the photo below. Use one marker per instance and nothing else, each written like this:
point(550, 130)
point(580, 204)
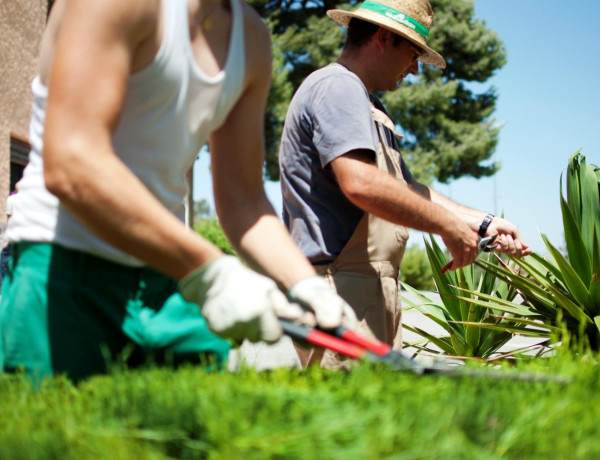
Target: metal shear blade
point(487, 244)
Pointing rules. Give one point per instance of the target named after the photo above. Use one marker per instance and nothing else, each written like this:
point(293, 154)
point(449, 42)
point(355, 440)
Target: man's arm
point(380, 194)
point(98, 47)
point(237, 156)
point(509, 240)
point(93, 59)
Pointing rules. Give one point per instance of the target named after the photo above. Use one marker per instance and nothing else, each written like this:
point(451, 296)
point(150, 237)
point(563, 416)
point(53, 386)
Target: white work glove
point(331, 311)
point(238, 303)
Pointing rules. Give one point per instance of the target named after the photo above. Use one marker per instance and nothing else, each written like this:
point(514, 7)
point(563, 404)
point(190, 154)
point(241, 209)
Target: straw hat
point(409, 18)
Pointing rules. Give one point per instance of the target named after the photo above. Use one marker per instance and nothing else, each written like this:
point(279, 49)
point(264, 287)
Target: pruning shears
point(350, 344)
point(485, 244)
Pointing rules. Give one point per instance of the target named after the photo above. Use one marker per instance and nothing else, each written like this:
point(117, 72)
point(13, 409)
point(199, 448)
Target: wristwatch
point(487, 220)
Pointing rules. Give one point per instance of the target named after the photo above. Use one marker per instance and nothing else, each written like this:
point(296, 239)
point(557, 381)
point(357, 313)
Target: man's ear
point(383, 38)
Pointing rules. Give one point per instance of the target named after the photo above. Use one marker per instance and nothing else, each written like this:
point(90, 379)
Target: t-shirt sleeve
point(341, 118)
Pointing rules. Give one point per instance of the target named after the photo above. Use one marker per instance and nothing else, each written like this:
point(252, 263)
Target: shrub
point(367, 413)
point(212, 231)
point(473, 329)
point(565, 291)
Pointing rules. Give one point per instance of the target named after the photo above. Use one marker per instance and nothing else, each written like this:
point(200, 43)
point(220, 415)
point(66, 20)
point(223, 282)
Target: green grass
point(369, 413)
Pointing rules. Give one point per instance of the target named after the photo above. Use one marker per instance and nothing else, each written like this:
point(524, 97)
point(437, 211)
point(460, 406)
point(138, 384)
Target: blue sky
point(548, 104)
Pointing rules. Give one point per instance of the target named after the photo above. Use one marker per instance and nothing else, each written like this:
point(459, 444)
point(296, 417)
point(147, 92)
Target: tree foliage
point(444, 115)
point(202, 209)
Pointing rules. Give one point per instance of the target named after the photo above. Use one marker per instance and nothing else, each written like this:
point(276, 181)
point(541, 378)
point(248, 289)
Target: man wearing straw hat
point(348, 196)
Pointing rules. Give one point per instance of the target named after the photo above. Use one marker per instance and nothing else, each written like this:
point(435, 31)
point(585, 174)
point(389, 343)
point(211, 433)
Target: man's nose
point(414, 68)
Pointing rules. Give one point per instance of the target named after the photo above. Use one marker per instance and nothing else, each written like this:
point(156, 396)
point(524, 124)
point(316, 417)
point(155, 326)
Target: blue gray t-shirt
point(329, 116)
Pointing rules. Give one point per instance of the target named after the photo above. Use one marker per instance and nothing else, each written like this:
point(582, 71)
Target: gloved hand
point(237, 302)
point(331, 311)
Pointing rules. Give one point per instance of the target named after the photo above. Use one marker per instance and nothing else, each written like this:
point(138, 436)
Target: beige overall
point(366, 272)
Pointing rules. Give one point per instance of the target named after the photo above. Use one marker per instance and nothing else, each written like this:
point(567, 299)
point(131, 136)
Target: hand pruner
point(485, 244)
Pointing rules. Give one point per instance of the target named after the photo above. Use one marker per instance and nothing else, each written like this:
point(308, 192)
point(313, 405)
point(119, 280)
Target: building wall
point(21, 26)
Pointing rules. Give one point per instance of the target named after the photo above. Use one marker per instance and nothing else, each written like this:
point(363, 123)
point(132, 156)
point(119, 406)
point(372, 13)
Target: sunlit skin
point(403, 61)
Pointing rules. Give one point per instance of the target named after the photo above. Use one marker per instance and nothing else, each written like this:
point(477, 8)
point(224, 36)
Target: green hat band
point(397, 16)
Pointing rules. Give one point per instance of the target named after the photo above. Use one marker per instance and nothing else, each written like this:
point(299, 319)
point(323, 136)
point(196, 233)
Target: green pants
point(68, 312)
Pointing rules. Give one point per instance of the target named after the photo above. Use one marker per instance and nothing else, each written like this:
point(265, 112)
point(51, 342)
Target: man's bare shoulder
point(135, 21)
point(257, 38)
point(130, 15)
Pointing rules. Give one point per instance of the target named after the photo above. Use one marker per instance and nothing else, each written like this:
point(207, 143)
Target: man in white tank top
point(126, 95)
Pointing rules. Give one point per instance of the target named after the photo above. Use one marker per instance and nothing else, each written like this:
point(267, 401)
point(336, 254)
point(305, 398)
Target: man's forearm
point(106, 196)
point(263, 241)
point(469, 216)
point(380, 194)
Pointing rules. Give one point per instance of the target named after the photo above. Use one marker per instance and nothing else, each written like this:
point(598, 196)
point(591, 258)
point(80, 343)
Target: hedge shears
point(352, 345)
point(485, 244)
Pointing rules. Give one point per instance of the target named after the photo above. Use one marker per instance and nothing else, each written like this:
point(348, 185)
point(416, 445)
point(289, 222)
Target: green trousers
point(68, 312)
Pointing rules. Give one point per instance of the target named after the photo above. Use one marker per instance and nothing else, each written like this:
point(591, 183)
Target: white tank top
point(170, 109)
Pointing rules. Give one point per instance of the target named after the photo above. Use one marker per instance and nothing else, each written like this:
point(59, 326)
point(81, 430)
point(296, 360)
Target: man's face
point(402, 60)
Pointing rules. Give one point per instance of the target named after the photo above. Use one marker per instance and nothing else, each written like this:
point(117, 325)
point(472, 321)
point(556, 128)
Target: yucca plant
point(472, 330)
point(565, 291)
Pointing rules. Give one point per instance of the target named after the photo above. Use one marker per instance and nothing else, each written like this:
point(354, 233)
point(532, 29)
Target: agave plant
point(472, 329)
point(565, 291)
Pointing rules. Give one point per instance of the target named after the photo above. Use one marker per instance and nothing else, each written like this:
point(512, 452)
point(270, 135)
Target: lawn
point(368, 413)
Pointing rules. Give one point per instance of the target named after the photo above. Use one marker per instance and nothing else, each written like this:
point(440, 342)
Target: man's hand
point(237, 302)
point(462, 242)
point(509, 240)
point(330, 310)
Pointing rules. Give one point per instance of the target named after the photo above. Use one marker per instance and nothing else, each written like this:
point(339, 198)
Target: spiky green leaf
point(590, 206)
point(576, 247)
point(437, 341)
point(443, 281)
point(574, 282)
point(494, 303)
point(543, 291)
point(523, 331)
point(573, 185)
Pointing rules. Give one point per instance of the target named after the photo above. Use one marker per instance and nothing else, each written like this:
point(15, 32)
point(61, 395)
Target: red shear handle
point(322, 339)
point(375, 346)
